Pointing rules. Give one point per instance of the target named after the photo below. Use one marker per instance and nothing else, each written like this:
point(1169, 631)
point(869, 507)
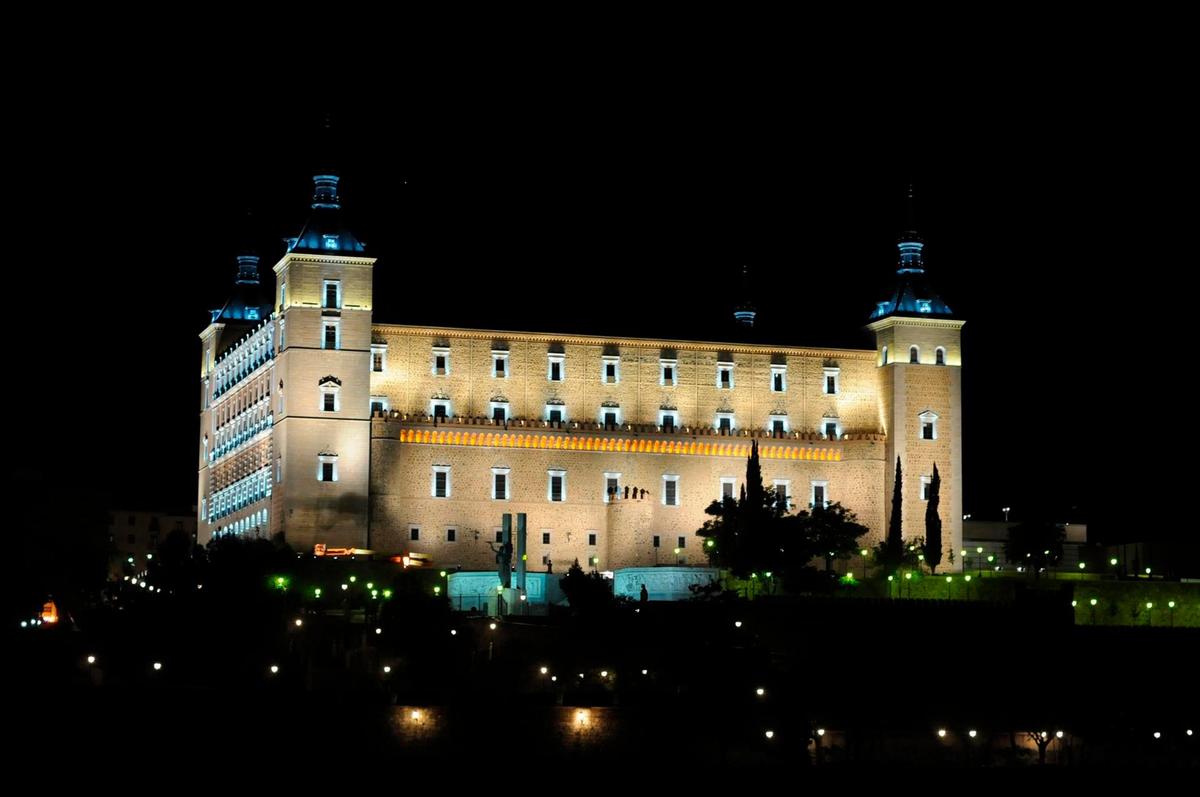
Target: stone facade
point(333, 429)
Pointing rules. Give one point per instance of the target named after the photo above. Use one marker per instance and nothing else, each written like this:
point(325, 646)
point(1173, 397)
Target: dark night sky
point(617, 207)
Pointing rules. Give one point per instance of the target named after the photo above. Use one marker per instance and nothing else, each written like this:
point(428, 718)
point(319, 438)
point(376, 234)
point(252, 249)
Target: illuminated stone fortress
point(318, 422)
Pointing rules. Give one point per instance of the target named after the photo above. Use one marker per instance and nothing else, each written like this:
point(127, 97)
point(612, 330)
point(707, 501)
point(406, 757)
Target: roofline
point(309, 257)
point(687, 345)
point(915, 320)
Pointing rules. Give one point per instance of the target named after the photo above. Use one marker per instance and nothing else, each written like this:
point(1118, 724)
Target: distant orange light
point(49, 612)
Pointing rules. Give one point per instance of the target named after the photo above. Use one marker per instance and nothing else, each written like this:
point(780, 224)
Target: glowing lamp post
point(1093, 602)
point(1149, 613)
point(1171, 607)
point(863, 552)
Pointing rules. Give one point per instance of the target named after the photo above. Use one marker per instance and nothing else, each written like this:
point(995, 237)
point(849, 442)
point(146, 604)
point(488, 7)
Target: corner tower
point(918, 346)
point(321, 383)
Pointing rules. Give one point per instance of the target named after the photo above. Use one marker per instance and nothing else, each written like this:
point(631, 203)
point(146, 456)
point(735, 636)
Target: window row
point(238, 495)
point(610, 369)
point(614, 489)
point(914, 355)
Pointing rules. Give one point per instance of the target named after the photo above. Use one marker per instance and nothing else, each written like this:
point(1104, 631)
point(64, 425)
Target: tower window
point(329, 399)
point(832, 378)
point(778, 378)
point(545, 538)
point(592, 538)
point(441, 481)
point(612, 486)
point(610, 373)
point(327, 470)
point(926, 481)
point(914, 354)
point(670, 490)
point(331, 336)
point(378, 358)
point(666, 372)
point(884, 360)
point(939, 356)
point(557, 489)
point(499, 484)
point(928, 421)
point(554, 368)
point(725, 376)
point(333, 299)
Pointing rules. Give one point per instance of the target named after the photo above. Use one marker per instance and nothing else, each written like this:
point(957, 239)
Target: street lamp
point(1093, 601)
point(864, 561)
point(1149, 613)
point(1171, 606)
point(1006, 510)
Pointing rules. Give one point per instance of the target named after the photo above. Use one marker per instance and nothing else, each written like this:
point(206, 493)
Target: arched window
point(940, 356)
point(884, 356)
point(914, 354)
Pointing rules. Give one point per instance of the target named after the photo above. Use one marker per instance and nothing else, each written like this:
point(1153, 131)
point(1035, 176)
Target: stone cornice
point(597, 340)
point(344, 260)
point(911, 321)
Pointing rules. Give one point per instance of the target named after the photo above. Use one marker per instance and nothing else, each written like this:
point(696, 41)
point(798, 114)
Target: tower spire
point(745, 312)
point(913, 295)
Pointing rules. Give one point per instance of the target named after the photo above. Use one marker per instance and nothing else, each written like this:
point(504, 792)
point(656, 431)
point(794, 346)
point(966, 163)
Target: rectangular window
point(499, 536)
point(610, 418)
point(377, 361)
point(331, 295)
point(592, 538)
point(654, 541)
point(328, 402)
point(441, 482)
point(671, 491)
point(610, 372)
point(611, 487)
point(282, 295)
point(820, 493)
point(326, 471)
point(414, 534)
point(500, 486)
point(725, 423)
point(726, 380)
point(728, 487)
point(831, 385)
point(927, 431)
point(451, 535)
point(554, 415)
point(441, 408)
point(682, 542)
point(545, 538)
point(557, 491)
point(499, 372)
point(783, 493)
point(668, 375)
point(777, 426)
point(331, 336)
point(376, 406)
point(831, 430)
point(925, 482)
point(499, 414)
point(439, 364)
point(555, 372)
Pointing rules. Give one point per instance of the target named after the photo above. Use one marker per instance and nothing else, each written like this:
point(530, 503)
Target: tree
point(753, 533)
point(1034, 545)
point(893, 549)
point(831, 531)
point(586, 592)
point(933, 523)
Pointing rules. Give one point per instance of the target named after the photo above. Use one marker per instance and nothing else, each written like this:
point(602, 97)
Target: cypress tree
point(933, 523)
point(754, 485)
point(895, 541)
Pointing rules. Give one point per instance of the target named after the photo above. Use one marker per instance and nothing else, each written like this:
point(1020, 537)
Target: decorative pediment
point(499, 399)
point(610, 403)
point(441, 395)
point(327, 380)
point(779, 411)
point(928, 416)
point(556, 402)
point(668, 407)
